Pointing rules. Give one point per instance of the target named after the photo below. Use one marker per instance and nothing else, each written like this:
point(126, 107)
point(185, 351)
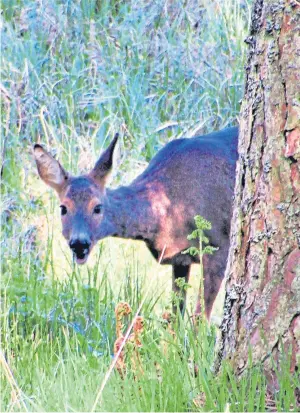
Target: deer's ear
point(50, 170)
point(103, 166)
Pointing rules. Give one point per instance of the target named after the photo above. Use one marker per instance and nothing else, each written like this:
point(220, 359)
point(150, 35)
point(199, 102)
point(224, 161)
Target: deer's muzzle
point(81, 249)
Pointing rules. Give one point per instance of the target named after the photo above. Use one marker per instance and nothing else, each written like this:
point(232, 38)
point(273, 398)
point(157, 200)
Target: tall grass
point(57, 338)
point(72, 74)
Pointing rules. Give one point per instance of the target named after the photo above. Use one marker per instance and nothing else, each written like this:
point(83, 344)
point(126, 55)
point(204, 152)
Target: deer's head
point(82, 198)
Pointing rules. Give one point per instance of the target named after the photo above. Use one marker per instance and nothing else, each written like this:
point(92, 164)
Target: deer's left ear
point(103, 167)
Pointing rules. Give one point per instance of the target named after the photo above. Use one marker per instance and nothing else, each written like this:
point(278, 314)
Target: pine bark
point(262, 303)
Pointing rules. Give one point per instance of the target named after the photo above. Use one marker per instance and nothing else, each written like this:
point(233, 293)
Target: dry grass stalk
point(16, 393)
point(114, 362)
point(123, 309)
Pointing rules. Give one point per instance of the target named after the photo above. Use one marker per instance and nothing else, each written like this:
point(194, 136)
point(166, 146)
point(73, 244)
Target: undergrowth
point(57, 337)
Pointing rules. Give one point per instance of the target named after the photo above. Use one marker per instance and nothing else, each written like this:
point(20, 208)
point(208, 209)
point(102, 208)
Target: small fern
point(202, 225)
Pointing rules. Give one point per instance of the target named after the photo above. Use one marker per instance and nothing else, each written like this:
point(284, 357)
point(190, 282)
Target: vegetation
point(201, 225)
point(72, 74)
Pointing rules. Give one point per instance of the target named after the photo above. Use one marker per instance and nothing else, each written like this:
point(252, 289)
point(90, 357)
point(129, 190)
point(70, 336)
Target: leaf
point(193, 235)
point(202, 223)
point(209, 250)
point(192, 251)
point(205, 239)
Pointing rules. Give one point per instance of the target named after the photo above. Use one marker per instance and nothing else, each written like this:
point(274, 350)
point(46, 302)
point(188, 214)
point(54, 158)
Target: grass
point(58, 335)
point(72, 74)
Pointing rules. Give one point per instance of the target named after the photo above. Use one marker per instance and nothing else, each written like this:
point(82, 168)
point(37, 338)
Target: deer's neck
point(128, 214)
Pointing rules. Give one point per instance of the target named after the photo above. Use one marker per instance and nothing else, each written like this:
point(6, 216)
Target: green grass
point(57, 337)
point(73, 74)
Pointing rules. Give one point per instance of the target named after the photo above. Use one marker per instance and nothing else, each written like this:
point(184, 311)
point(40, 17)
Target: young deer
point(187, 177)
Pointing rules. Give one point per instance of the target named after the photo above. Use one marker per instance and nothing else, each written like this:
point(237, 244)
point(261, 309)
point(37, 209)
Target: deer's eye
point(98, 209)
point(63, 209)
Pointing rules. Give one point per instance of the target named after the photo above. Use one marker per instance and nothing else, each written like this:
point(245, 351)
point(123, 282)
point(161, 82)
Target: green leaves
point(192, 251)
point(198, 234)
point(209, 250)
point(201, 225)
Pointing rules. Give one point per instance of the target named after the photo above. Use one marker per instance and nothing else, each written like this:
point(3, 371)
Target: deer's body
point(187, 177)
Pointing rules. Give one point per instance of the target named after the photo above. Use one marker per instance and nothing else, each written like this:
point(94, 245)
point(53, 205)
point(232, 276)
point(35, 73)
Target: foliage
point(198, 234)
point(58, 338)
point(73, 73)
point(202, 225)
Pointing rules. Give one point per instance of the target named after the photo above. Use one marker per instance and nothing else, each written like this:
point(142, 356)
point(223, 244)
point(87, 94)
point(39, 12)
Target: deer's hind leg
point(211, 289)
point(180, 271)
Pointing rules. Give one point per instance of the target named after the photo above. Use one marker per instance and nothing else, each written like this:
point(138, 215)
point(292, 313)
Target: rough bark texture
point(262, 303)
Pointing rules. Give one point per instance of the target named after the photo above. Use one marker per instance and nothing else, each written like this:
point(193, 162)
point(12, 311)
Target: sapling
point(202, 225)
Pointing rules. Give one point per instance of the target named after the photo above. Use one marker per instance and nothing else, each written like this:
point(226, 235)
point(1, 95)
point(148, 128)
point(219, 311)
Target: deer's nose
point(80, 246)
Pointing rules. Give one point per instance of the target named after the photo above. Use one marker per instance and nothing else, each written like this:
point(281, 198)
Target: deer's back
point(189, 177)
point(221, 144)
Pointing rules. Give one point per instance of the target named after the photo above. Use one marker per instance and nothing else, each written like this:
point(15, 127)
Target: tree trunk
point(262, 303)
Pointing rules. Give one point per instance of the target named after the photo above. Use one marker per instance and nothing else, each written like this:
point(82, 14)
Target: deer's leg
point(180, 271)
point(211, 289)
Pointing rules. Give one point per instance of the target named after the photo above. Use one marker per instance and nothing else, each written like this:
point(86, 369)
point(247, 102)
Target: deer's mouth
point(81, 249)
point(80, 255)
point(81, 259)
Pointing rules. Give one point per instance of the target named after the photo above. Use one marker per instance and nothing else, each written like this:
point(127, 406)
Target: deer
point(187, 177)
